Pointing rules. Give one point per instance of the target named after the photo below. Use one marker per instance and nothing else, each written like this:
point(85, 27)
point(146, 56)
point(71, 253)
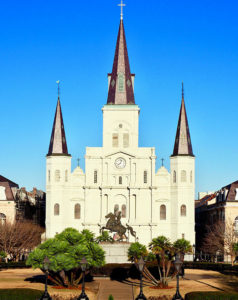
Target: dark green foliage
point(135, 252)
point(163, 252)
point(182, 246)
point(158, 298)
point(3, 254)
point(210, 296)
point(110, 297)
point(20, 294)
point(220, 267)
point(105, 237)
point(65, 252)
point(107, 269)
point(235, 246)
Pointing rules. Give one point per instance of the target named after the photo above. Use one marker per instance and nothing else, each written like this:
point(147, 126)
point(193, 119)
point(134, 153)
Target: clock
point(120, 163)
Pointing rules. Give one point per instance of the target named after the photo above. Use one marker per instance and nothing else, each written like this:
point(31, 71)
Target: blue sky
point(74, 41)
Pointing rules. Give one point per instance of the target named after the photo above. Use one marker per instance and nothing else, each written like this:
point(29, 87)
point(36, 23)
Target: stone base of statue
point(116, 253)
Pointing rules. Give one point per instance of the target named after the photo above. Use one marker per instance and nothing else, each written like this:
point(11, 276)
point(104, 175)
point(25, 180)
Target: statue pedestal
point(116, 253)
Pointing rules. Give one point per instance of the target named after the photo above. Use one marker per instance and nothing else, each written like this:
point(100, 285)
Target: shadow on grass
point(41, 279)
point(36, 279)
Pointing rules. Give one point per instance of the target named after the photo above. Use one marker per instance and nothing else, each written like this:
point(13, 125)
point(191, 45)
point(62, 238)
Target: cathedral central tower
point(120, 115)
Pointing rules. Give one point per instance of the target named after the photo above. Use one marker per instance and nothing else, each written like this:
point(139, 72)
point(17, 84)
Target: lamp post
point(84, 265)
point(140, 265)
point(46, 265)
point(194, 252)
point(177, 263)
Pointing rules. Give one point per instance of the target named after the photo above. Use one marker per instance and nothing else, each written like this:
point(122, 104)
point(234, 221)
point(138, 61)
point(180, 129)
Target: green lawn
point(20, 294)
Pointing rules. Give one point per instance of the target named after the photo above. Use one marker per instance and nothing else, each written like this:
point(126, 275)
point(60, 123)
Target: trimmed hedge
point(123, 271)
point(20, 294)
point(210, 296)
point(14, 265)
point(221, 267)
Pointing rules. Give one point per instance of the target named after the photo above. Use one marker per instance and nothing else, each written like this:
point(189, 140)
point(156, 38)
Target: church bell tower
point(120, 114)
point(58, 169)
point(182, 166)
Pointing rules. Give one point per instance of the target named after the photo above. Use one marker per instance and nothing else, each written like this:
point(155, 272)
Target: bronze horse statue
point(114, 225)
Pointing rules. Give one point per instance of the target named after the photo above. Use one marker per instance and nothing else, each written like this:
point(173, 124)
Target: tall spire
point(183, 144)
point(121, 84)
point(58, 145)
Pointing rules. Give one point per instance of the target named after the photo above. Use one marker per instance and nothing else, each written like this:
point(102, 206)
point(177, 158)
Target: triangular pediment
point(119, 152)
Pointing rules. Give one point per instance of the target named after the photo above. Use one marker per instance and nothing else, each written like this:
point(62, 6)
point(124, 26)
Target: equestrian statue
point(114, 225)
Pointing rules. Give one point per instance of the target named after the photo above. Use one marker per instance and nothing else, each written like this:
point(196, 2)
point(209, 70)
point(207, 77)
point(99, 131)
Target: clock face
point(120, 163)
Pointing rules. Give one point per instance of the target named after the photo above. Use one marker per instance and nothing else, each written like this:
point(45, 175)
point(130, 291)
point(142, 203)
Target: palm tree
point(163, 250)
point(182, 246)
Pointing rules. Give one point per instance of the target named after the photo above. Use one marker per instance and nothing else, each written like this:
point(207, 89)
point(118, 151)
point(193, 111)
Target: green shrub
point(210, 296)
point(220, 267)
point(20, 294)
point(110, 297)
point(65, 251)
point(13, 265)
point(158, 298)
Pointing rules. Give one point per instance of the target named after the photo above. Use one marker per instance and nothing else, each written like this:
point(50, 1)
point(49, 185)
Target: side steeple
point(58, 145)
point(183, 144)
point(120, 80)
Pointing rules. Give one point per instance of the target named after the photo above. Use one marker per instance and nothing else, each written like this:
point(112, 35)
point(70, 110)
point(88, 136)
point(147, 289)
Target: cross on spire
point(58, 82)
point(122, 5)
point(162, 159)
point(78, 160)
point(182, 91)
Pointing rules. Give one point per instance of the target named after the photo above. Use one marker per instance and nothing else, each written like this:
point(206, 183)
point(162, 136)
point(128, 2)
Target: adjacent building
point(221, 205)
point(19, 204)
point(8, 190)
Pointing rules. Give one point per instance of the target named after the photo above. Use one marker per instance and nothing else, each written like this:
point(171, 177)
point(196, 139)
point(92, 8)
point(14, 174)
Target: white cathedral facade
point(120, 175)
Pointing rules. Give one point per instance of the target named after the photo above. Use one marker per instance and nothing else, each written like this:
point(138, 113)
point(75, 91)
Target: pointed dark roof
point(120, 88)
point(183, 144)
point(58, 145)
point(4, 179)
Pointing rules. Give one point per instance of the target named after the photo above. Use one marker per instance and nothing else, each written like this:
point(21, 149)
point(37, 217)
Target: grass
point(20, 294)
point(211, 296)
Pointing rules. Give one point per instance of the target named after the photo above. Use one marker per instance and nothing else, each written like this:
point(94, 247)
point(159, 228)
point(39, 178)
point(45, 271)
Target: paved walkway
point(120, 291)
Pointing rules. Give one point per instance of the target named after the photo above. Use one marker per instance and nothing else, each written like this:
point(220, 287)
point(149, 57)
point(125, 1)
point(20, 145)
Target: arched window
point(162, 212)
point(183, 176)
point(95, 179)
point(115, 140)
point(77, 211)
point(145, 176)
point(56, 209)
point(126, 140)
point(66, 175)
point(134, 199)
point(191, 177)
point(57, 175)
point(48, 175)
point(106, 202)
point(123, 211)
point(174, 177)
point(120, 180)
point(236, 224)
point(116, 208)
point(183, 210)
point(2, 219)
point(236, 190)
